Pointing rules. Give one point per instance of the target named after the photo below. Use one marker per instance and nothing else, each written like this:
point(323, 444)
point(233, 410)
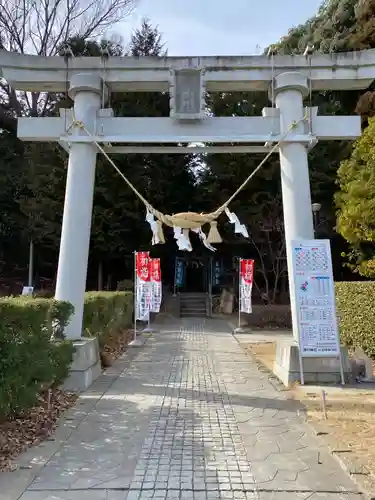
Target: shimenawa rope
point(186, 221)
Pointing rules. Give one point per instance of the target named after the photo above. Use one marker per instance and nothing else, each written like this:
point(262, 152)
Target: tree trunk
point(100, 276)
point(109, 283)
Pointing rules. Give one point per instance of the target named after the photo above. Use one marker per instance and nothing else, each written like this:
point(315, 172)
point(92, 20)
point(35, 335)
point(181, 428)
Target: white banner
point(246, 275)
point(315, 299)
point(156, 285)
point(142, 286)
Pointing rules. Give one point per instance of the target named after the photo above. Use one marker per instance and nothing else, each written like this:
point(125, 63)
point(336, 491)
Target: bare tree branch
point(42, 27)
point(269, 242)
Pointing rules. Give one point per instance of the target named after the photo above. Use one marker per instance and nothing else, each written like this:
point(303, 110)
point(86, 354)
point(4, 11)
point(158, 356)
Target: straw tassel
point(159, 231)
point(214, 235)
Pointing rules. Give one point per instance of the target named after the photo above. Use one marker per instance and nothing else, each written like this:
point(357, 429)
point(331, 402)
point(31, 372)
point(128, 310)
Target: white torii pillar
point(290, 89)
point(85, 90)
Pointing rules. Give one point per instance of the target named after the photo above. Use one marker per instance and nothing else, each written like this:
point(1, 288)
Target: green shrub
point(33, 352)
point(107, 312)
point(58, 317)
point(29, 360)
point(356, 312)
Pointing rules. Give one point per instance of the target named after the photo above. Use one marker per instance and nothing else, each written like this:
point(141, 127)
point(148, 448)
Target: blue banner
point(217, 271)
point(180, 273)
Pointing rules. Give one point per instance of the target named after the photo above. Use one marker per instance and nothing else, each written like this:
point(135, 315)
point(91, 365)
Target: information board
point(315, 299)
point(27, 290)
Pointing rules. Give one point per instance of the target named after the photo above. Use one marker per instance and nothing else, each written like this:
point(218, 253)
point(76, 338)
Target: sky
point(219, 27)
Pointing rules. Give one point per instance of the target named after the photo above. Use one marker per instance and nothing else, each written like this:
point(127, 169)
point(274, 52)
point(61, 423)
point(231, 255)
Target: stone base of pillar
point(316, 370)
point(86, 366)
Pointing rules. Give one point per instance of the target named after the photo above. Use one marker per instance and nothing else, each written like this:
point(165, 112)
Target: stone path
point(189, 417)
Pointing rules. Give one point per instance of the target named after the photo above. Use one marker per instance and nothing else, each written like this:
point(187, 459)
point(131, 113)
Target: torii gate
point(186, 79)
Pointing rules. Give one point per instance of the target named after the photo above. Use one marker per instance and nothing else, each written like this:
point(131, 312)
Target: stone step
point(193, 305)
point(193, 314)
point(193, 299)
point(201, 307)
point(198, 305)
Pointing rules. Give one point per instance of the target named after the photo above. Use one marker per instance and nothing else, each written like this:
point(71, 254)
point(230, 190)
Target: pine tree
point(166, 181)
point(146, 41)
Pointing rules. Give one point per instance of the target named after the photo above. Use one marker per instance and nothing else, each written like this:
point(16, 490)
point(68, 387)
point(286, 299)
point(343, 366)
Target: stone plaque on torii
point(187, 80)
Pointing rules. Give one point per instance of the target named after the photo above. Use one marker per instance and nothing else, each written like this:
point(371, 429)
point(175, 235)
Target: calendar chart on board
point(315, 298)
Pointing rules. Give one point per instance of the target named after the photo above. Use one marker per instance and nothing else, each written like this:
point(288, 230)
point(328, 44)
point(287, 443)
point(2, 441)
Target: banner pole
point(149, 329)
point(239, 329)
point(239, 294)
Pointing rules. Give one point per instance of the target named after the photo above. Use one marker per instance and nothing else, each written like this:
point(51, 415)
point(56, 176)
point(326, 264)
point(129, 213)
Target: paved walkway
point(189, 417)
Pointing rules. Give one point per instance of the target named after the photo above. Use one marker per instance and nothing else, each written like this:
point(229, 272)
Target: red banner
point(156, 285)
point(143, 285)
point(155, 270)
point(246, 284)
point(142, 263)
point(247, 270)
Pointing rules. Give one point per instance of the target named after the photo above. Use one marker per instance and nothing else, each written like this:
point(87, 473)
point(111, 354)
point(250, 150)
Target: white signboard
point(315, 299)
point(27, 290)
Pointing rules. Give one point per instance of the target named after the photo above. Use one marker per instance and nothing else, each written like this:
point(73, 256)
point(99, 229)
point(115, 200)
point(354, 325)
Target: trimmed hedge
point(33, 354)
point(106, 313)
point(356, 312)
point(269, 317)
